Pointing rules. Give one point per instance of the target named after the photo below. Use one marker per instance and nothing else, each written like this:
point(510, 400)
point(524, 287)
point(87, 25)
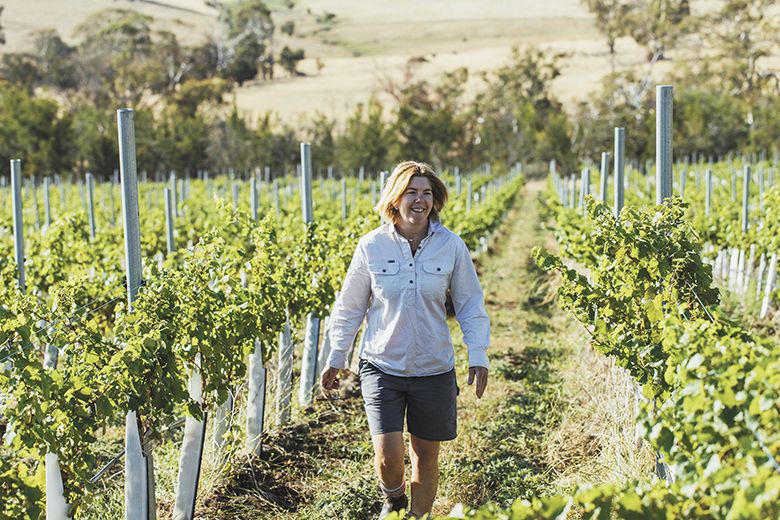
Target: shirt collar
point(434, 225)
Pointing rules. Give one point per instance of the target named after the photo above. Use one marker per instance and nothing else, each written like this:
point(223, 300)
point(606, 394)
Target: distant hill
point(191, 20)
point(352, 47)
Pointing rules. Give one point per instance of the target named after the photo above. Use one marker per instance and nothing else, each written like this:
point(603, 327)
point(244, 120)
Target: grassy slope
point(370, 44)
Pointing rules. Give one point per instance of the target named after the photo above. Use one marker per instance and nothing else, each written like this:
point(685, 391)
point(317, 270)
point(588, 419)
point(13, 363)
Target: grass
point(595, 441)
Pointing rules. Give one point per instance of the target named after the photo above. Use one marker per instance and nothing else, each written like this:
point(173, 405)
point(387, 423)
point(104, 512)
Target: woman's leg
point(389, 461)
point(425, 474)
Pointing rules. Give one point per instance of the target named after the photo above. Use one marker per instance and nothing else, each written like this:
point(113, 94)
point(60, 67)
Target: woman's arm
point(471, 315)
point(349, 310)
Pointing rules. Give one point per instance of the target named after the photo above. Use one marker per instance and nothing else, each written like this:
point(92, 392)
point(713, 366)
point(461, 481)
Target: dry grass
point(371, 42)
point(189, 19)
point(596, 442)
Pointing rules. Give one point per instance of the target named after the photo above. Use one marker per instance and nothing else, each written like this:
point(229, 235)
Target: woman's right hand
point(329, 379)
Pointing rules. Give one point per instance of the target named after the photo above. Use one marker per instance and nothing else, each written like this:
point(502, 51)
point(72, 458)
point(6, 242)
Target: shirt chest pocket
point(385, 279)
point(436, 279)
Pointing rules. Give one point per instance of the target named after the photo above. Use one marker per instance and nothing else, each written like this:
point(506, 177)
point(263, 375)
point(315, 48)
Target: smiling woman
point(413, 195)
point(398, 281)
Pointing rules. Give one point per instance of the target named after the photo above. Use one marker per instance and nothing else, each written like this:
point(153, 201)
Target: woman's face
point(417, 202)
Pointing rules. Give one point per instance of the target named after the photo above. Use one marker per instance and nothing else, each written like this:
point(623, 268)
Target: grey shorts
point(429, 403)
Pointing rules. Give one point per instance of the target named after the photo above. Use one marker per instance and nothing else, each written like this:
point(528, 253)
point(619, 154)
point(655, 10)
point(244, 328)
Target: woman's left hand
point(481, 374)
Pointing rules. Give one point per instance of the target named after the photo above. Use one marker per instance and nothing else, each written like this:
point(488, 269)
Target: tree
point(765, 130)
point(366, 139)
point(516, 116)
point(288, 28)
point(203, 60)
point(289, 60)
point(95, 140)
point(610, 19)
point(658, 24)
point(429, 120)
point(33, 129)
point(746, 35)
point(707, 121)
point(173, 58)
point(193, 94)
point(320, 132)
point(55, 60)
point(247, 43)
point(621, 102)
point(2, 30)
point(117, 63)
point(20, 69)
point(243, 65)
point(655, 24)
point(181, 140)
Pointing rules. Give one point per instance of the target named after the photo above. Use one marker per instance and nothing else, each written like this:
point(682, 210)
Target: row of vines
point(639, 281)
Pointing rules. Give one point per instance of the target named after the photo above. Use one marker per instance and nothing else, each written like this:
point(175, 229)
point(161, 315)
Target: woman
point(398, 280)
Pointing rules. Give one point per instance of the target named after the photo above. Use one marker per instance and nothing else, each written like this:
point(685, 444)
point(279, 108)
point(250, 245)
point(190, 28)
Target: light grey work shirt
point(402, 298)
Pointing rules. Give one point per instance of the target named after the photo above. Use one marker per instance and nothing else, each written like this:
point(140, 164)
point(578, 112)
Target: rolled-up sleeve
point(469, 306)
point(350, 309)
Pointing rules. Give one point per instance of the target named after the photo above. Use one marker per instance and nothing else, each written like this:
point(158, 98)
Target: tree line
point(726, 97)
point(57, 103)
point(187, 122)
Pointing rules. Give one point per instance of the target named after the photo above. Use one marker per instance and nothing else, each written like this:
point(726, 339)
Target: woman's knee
point(389, 450)
point(424, 453)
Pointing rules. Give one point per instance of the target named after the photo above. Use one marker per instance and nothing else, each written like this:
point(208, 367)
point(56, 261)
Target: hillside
point(369, 43)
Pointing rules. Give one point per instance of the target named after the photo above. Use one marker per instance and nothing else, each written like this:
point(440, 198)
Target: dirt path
point(501, 451)
point(322, 467)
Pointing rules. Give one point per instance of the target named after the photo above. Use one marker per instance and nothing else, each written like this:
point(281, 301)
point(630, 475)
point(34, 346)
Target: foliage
point(721, 97)
point(288, 28)
point(200, 309)
point(644, 266)
point(123, 60)
point(647, 301)
point(366, 138)
point(517, 117)
point(32, 128)
point(429, 120)
point(19, 69)
point(289, 59)
point(321, 134)
point(54, 59)
point(745, 36)
point(706, 120)
point(654, 24)
point(514, 117)
point(21, 492)
point(248, 44)
point(610, 18)
point(117, 59)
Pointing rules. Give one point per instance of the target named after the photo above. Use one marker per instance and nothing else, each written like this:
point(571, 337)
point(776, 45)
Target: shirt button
point(410, 265)
point(411, 281)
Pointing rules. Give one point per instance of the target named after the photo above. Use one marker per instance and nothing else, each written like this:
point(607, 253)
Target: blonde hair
point(399, 181)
